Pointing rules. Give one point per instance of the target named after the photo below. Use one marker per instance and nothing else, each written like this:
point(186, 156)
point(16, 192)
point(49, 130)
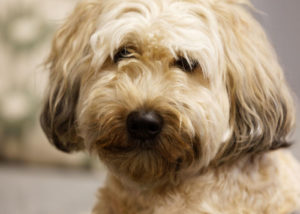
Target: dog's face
point(163, 88)
point(155, 99)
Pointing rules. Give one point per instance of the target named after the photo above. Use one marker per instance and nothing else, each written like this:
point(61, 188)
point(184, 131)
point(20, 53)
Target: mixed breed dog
point(184, 102)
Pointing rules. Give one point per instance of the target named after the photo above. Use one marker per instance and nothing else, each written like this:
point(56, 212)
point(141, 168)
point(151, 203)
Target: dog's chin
point(146, 162)
point(142, 165)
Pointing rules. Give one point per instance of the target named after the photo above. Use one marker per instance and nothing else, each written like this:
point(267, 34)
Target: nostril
point(153, 127)
point(144, 124)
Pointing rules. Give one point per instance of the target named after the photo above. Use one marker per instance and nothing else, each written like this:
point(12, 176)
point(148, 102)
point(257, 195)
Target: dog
point(184, 101)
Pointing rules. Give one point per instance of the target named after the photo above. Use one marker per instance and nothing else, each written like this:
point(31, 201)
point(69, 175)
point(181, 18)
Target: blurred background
point(35, 178)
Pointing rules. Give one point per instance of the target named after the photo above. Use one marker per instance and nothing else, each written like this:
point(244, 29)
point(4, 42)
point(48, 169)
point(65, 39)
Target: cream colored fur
point(226, 119)
point(266, 185)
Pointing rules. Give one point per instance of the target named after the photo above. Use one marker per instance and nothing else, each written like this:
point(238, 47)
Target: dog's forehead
point(168, 27)
point(154, 22)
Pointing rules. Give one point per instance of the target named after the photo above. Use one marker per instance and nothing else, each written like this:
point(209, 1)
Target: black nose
point(144, 125)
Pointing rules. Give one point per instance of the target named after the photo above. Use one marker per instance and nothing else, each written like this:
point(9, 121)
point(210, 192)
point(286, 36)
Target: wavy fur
point(223, 120)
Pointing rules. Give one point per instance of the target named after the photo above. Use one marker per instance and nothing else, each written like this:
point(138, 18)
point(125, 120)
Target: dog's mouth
point(133, 145)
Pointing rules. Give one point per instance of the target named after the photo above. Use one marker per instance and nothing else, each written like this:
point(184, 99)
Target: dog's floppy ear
point(69, 58)
point(58, 118)
point(262, 110)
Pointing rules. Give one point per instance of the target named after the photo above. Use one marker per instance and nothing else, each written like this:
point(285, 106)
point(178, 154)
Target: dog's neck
point(207, 188)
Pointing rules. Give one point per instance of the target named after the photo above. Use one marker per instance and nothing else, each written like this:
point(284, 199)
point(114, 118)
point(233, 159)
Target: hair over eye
point(185, 64)
point(123, 53)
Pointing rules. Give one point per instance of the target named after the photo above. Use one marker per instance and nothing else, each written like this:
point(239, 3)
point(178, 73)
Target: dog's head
point(165, 87)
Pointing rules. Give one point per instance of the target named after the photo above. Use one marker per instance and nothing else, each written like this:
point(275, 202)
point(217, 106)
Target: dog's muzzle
point(144, 125)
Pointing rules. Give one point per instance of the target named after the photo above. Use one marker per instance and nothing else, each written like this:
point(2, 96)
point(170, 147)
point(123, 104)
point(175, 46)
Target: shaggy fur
point(207, 69)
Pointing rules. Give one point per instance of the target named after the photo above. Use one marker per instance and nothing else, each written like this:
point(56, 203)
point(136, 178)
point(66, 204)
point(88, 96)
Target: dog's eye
point(123, 53)
point(186, 65)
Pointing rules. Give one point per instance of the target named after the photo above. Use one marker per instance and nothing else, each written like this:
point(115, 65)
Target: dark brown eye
point(123, 53)
point(186, 65)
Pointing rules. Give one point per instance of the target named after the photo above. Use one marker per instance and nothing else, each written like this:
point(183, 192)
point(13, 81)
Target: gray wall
point(281, 20)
